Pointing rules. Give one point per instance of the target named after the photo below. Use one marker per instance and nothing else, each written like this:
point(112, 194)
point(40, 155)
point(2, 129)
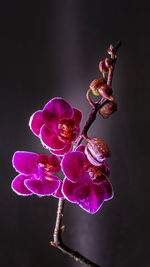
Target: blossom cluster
point(85, 169)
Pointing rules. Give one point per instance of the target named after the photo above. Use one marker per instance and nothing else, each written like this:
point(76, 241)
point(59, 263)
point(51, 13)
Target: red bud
point(95, 85)
point(102, 66)
point(107, 109)
point(108, 62)
point(106, 92)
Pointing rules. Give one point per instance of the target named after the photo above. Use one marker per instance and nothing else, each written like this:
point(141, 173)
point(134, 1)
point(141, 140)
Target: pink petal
point(77, 116)
point(105, 169)
point(25, 162)
point(50, 139)
point(90, 197)
point(108, 190)
point(43, 187)
point(81, 148)
point(49, 118)
point(58, 193)
point(36, 122)
point(62, 152)
point(59, 108)
point(72, 165)
point(68, 189)
point(77, 131)
point(55, 162)
point(19, 187)
point(87, 195)
point(43, 159)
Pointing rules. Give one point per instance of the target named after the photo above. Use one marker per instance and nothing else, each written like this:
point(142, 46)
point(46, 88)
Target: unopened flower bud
point(97, 151)
point(108, 62)
point(107, 109)
point(106, 92)
point(95, 85)
point(110, 50)
point(102, 66)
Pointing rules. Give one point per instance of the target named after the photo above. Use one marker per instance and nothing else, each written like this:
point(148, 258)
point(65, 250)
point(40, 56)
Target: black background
point(49, 49)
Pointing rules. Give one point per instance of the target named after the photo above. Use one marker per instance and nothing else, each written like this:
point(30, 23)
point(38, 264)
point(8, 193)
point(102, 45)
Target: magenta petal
point(90, 197)
point(42, 158)
point(105, 169)
point(68, 189)
point(25, 162)
point(43, 187)
point(108, 190)
point(36, 122)
point(58, 193)
point(60, 108)
point(72, 165)
point(77, 132)
point(63, 151)
point(81, 148)
point(50, 139)
point(49, 118)
point(77, 116)
point(19, 187)
point(55, 162)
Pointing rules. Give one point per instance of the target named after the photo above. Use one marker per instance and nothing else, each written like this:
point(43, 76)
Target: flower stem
point(59, 243)
point(58, 226)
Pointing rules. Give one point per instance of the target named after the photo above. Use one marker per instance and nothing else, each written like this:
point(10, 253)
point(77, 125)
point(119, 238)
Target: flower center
point(43, 171)
point(46, 166)
point(66, 129)
point(96, 174)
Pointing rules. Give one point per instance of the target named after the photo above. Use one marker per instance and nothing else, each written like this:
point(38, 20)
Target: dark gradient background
point(49, 49)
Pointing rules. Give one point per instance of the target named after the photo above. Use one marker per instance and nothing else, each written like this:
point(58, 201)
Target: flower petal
point(108, 190)
point(81, 148)
point(72, 165)
point(25, 162)
point(18, 186)
point(90, 196)
point(59, 108)
point(58, 193)
point(49, 118)
point(77, 116)
point(42, 158)
point(36, 122)
point(43, 187)
point(62, 152)
point(54, 161)
point(105, 169)
point(69, 188)
point(50, 139)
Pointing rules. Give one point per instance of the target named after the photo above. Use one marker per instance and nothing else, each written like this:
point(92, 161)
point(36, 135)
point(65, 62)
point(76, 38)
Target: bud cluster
point(105, 65)
point(101, 86)
point(97, 150)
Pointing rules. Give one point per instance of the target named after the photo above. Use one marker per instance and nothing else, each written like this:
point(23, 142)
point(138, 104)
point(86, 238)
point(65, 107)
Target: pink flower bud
point(97, 151)
point(108, 62)
point(95, 85)
point(110, 50)
point(102, 66)
point(107, 109)
point(106, 92)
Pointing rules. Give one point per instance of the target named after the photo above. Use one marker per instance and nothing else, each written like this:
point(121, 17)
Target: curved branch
point(58, 226)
